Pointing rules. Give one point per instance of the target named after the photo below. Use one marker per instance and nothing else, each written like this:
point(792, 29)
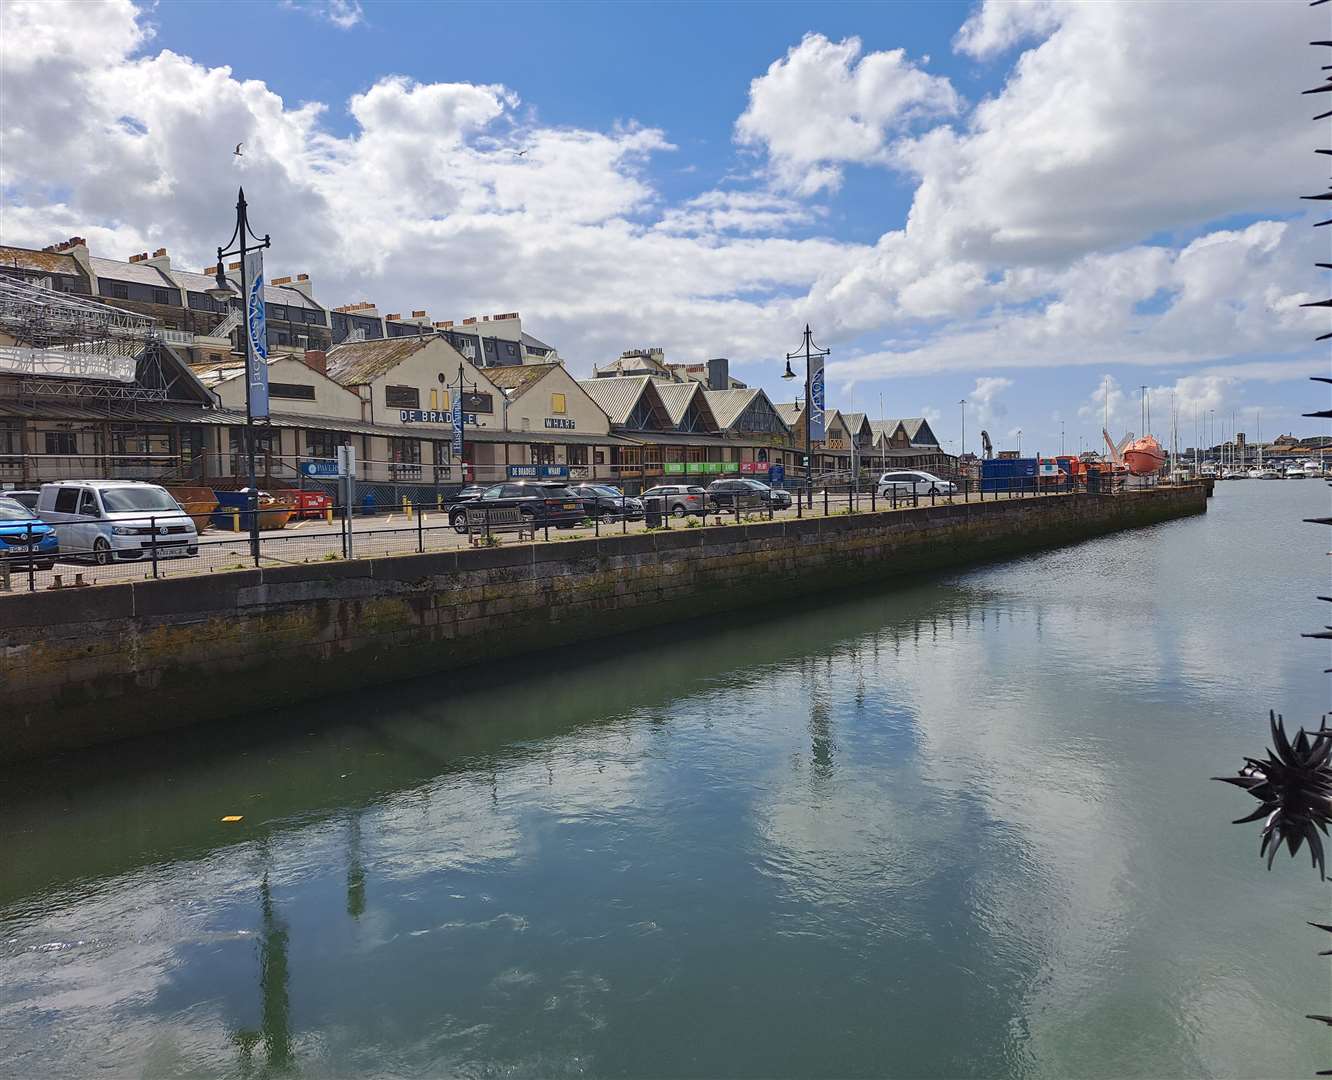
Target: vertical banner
point(817, 431)
point(457, 425)
point(257, 332)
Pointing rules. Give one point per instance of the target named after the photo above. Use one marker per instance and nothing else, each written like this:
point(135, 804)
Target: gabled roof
point(918, 431)
point(519, 378)
point(358, 362)
point(729, 405)
point(857, 423)
point(790, 412)
point(677, 397)
point(617, 397)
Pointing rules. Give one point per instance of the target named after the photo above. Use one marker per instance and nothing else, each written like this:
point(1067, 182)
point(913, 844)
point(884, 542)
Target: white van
point(110, 520)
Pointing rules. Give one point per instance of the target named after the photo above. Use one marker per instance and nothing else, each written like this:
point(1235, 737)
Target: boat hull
point(1144, 457)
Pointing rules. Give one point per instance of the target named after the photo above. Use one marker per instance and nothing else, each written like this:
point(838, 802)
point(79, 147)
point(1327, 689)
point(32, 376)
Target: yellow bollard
point(407, 507)
point(328, 514)
point(235, 521)
point(439, 501)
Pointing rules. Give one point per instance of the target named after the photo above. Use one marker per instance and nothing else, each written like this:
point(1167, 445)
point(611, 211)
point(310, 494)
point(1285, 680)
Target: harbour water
point(958, 827)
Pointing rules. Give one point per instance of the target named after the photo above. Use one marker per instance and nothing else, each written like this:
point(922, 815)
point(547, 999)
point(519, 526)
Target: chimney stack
point(317, 360)
point(719, 374)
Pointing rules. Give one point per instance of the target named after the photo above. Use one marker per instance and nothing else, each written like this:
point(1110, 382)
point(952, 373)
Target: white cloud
point(1039, 235)
point(996, 27)
point(823, 105)
point(344, 14)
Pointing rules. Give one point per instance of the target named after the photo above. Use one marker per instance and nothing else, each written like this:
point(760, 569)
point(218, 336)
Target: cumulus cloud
point(1064, 221)
point(344, 14)
point(823, 105)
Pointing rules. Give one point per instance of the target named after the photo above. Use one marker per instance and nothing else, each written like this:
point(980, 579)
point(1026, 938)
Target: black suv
point(544, 503)
point(746, 493)
point(605, 501)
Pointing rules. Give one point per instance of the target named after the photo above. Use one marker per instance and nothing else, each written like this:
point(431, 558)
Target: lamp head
point(221, 290)
point(788, 374)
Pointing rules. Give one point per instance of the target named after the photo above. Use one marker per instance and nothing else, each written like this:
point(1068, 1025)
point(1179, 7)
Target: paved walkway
point(387, 534)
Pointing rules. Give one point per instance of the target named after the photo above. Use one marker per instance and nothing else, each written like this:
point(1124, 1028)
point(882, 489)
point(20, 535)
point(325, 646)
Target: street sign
point(346, 464)
point(776, 474)
point(557, 472)
point(522, 472)
point(319, 468)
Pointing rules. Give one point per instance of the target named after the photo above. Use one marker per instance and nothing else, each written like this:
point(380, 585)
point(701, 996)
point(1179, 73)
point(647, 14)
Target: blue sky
point(1024, 200)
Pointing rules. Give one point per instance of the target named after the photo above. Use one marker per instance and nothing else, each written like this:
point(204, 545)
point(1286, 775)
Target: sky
point(1036, 206)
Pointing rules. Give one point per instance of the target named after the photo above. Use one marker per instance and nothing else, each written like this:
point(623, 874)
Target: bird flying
point(237, 151)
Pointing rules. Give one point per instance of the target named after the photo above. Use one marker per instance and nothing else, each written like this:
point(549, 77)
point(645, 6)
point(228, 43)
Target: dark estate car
point(545, 503)
point(746, 493)
point(26, 498)
point(680, 499)
point(605, 501)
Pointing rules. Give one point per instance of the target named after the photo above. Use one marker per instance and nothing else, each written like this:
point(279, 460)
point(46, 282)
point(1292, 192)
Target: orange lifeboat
point(1144, 457)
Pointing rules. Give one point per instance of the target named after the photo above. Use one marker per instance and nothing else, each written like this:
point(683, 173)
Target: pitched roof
point(728, 405)
point(677, 397)
point(855, 421)
point(519, 377)
point(914, 427)
point(618, 396)
point(535, 342)
point(141, 273)
point(358, 362)
point(790, 412)
point(42, 262)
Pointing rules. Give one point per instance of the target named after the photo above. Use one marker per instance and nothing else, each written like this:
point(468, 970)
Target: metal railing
point(158, 550)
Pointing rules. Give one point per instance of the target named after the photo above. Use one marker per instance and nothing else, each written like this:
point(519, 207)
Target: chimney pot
point(281, 281)
point(395, 316)
point(418, 314)
point(159, 253)
point(233, 266)
point(302, 277)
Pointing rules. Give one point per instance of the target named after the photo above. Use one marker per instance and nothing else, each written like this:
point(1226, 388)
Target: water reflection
point(914, 832)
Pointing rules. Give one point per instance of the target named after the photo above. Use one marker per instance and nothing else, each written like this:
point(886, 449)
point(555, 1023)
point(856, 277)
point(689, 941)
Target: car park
point(913, 481)
point(679, 500)
point(116, 520)
point(724, 494)
point(541, 502)
point(607, 502)
point(24, 537)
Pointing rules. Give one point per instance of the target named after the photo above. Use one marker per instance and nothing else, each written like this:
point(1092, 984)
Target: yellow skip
point(232, 817)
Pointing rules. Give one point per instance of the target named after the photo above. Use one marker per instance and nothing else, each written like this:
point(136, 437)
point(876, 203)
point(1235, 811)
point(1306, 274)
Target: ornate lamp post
point(241, 238)
point(810, 352)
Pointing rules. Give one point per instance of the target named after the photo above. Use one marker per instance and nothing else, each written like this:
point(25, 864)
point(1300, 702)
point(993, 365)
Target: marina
point(872, 834)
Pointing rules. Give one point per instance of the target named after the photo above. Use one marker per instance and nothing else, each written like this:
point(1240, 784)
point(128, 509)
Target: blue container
point(227, 501)
point(1009, 474)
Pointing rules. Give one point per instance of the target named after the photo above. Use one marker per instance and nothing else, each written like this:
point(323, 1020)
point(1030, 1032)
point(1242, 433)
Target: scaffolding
point(47, 334)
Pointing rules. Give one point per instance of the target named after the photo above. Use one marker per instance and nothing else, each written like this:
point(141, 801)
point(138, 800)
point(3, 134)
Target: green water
point(961, 827)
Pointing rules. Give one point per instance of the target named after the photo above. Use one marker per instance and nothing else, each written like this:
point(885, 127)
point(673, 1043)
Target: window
point(576, 455)
point(67, 500)
point(117, 290)
point(443, 452)
point(402, 397)
point(557, 404)
point(160, 296)
point(434, 400)
point(322, 444)
point(405, 451)
point(511, 349)
point(541, 454)
point(292, 391)
point(62, 442)
point(88, 503)
point(11, 437)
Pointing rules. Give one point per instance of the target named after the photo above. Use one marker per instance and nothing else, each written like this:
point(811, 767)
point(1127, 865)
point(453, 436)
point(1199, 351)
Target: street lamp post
point(1019, 437)
point(241, 237)
point(963, 404)
point(809, 352)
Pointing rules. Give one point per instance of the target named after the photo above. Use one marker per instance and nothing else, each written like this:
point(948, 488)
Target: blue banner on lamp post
point(457, 425)
point(817, 430)
point(256, 329)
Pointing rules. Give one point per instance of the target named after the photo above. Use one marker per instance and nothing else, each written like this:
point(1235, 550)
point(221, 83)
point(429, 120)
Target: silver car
point(681, 499)
point(909, 481)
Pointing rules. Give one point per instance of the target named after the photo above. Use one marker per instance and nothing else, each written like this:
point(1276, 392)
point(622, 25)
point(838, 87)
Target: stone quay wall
point(85, 666)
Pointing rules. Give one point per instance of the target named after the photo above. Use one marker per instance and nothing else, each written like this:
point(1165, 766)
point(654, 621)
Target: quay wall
point(80, 667)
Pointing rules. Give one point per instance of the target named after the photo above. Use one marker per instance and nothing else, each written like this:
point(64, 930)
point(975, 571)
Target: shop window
point(62, 442)
point(558, 405)
point(576, 455)
point(402, 397)
point(322, 444)
point(405, 451)
point(541, 454)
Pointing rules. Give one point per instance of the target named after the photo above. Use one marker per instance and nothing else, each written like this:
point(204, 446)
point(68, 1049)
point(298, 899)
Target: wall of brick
point(80, 667)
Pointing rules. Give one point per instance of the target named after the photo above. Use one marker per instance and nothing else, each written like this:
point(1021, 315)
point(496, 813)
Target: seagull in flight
point(237, 151)
point(520, 153)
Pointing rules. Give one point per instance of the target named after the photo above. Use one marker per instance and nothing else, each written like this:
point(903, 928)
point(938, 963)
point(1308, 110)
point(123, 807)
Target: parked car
point(912, 480)
point(746, 493)
point(680, 499)
point(607, 501)
point(112, 520)
point(27, 498)
point(470, 492)
point(545, 503)
point(24, 536)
